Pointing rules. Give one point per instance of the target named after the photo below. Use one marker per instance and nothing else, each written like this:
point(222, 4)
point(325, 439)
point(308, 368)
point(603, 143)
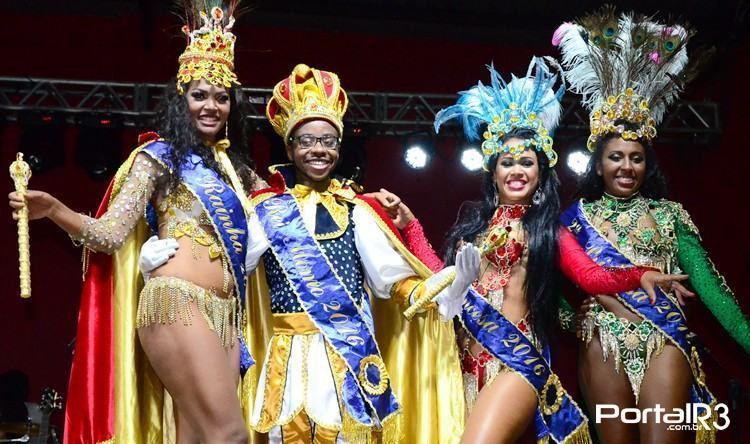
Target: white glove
point(155, 253)
point(451, 299)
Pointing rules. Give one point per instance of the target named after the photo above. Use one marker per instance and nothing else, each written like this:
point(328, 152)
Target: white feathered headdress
point(627, 68)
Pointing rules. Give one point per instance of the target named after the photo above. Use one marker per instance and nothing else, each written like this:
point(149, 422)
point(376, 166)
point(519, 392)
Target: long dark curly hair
point(175, 124)
point(591, 185)
point(541, 225)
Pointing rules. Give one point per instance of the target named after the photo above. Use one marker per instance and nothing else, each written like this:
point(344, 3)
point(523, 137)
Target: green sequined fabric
point(660, 233)
point(632, 344)
point(710, 285)
point(643, 228)
point(567, 315)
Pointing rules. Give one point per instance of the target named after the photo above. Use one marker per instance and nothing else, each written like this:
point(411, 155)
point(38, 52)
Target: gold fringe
point(109, 441)
point(707, 436)
point(165, 299)
point(392, 429)
point(353, 431)
point(580, 435)
point(610, 343)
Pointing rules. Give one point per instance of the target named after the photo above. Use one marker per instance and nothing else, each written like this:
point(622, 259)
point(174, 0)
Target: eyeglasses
point(308, 141)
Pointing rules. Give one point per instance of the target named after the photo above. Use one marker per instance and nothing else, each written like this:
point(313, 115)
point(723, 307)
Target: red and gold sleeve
point(592, 278)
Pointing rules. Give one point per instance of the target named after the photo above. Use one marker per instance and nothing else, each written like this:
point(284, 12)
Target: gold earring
point(225, 143)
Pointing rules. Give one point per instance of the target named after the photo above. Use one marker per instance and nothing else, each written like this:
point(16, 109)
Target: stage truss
point(376, 113)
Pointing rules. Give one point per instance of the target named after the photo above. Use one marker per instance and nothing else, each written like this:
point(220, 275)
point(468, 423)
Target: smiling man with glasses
point(340, 368)
point(307, 141)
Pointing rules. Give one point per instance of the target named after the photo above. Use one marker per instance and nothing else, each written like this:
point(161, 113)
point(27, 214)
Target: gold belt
point(293, 324)
point(166, 299)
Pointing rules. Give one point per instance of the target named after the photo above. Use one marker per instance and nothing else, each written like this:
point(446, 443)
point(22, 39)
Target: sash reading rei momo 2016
point(558, 416)
point(367, 389)
point(664, 314)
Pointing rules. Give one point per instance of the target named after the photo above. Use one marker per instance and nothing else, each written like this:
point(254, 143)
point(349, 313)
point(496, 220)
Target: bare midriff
point(192, 263)
point(514, 306)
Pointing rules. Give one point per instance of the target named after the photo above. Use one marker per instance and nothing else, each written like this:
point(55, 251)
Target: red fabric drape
point(90, 410)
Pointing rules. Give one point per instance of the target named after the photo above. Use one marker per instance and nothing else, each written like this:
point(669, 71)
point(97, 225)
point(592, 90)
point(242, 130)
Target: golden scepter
point(21, 173)
point(496, 239)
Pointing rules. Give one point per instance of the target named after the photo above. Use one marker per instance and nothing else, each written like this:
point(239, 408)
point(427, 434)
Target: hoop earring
point(536, 199)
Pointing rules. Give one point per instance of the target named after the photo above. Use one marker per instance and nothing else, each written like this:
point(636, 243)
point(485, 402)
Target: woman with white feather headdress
point(628, 70)
point(510, 312)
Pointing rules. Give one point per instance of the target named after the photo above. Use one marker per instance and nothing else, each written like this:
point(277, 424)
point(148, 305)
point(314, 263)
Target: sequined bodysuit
point(166, 297)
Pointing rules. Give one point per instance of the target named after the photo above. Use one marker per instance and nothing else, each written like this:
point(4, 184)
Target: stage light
point(578, 161)
point(419, 149)
point(416, 157)
point(471, 159)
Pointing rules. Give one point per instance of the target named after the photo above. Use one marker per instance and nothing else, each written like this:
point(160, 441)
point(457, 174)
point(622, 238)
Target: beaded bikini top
point(643, 228)
point(502, 246)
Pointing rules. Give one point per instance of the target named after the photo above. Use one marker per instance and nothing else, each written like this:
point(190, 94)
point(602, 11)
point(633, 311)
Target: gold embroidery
point(280, 350)
point(552, 382)
point(330, 200)
point(364, 380)
point(186, 217)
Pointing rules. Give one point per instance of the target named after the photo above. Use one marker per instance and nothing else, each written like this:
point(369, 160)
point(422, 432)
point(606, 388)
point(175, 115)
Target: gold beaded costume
point(114, 394)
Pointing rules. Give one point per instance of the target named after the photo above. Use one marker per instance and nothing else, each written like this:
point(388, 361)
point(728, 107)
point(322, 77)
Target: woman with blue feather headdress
point(509, 312)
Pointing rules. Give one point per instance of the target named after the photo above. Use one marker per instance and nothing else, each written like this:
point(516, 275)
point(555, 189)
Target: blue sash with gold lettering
point(665, 314)
point(558, 416)
point(367, 390)
point(226, 212)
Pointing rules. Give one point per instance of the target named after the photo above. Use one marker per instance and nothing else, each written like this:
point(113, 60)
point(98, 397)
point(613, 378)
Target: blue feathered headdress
point(529, 102)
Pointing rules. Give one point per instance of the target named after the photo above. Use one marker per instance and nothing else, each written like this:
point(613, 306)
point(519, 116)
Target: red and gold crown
point(210, 51)
point(305, 95)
